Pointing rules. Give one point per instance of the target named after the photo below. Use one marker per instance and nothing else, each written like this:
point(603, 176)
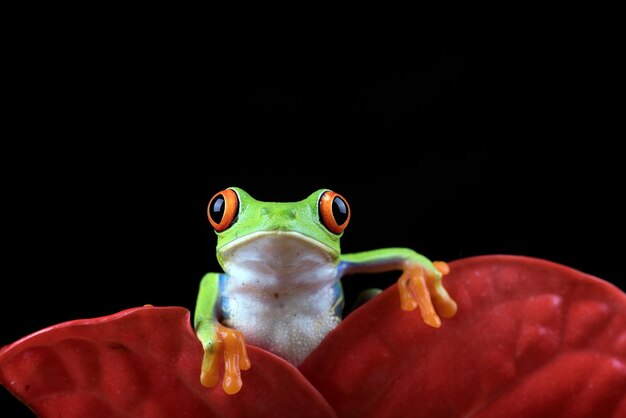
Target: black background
point(449, 144)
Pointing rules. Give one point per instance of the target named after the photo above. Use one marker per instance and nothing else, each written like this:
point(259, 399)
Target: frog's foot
point(230, 344)
point(420, 287)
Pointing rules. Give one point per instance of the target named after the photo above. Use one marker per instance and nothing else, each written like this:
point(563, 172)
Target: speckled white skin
point(279, 292)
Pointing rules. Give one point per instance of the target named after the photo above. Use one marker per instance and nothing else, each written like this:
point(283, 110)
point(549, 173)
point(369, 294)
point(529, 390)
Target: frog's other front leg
point(218, 341)
point(419, 285)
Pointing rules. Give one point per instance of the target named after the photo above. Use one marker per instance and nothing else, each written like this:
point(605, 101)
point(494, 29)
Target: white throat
point(265, 260)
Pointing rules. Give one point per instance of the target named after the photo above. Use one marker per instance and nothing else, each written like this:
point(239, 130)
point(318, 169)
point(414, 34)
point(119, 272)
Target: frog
point(280, 288)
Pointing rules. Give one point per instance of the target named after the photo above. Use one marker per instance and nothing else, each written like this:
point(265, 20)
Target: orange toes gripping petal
point(420, 288)
point(442, 267)
point(414, 293)
point(229, 343)
point(210, 374)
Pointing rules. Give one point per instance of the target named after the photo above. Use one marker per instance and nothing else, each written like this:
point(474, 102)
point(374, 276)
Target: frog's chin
point(277, 248)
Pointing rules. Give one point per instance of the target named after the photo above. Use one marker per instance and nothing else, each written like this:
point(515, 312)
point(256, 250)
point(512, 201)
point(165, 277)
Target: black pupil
point(340, 210)
point(217, 209)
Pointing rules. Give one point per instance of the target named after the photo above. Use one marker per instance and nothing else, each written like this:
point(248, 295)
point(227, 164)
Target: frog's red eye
point(223, 209)
point(334, 212)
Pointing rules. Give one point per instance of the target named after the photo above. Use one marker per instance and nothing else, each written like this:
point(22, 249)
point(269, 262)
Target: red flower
point(531, 339)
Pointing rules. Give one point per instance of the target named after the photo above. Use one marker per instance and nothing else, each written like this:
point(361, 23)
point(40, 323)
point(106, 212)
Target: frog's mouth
point(277, 253)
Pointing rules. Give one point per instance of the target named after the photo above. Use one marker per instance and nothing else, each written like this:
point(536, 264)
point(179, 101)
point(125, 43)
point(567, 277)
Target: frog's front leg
point(419, 285)
point(219, 342)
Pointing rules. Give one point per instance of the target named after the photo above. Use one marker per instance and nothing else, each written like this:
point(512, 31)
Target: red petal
point(531, 339)
point(144, 362)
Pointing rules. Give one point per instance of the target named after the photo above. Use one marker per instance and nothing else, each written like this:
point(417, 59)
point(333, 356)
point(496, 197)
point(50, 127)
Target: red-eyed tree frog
point(281, 283)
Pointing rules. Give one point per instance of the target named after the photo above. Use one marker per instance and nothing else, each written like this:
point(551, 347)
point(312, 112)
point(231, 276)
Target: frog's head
point(314, 224)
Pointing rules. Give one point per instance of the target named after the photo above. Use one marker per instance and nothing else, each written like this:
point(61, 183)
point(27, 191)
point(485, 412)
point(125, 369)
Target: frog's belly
point(281, 290)
point(290, 326)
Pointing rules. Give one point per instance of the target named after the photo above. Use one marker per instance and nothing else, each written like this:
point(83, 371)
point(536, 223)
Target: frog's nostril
point(291, 213)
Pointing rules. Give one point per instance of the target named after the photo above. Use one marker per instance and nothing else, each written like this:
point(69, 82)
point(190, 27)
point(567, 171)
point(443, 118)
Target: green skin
point(303, 218)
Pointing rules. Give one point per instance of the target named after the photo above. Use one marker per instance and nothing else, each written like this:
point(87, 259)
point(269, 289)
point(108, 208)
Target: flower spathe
point(531, 338)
